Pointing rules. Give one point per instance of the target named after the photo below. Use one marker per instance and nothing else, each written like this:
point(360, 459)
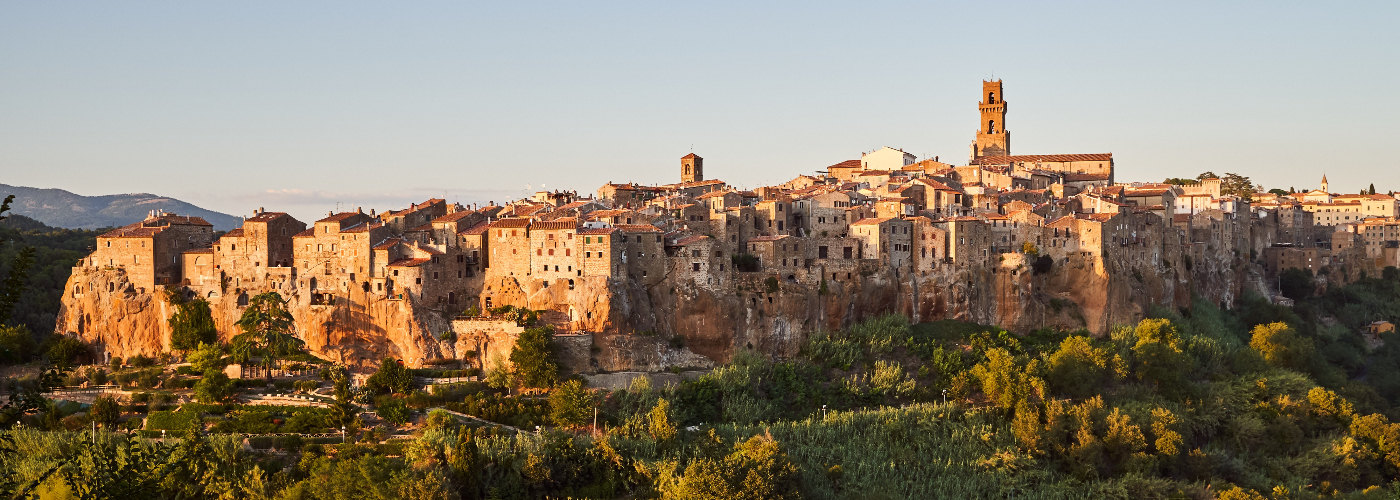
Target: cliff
point(684, 321)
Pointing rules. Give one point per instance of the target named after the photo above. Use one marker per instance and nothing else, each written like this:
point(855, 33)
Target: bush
point(104, 411)
point(66, 349)
point(392, 377)
point(392, 409)
point(1296, 284)
point(177, 421)
point(570, 404)
point(141, 361)
point(215, 387)
point(534, 357)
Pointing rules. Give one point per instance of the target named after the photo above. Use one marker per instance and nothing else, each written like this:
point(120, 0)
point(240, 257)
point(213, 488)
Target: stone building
point(151, 251)
point(993, 140)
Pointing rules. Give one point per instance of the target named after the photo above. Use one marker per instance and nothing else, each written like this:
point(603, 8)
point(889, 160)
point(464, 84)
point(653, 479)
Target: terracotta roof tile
point(234, 233)
point(511, 223)
point(554, 225)
point(638, 228)
point(846, 164)
point(1004, 160)
point(479, 228)
point(339, 217)
point(455, 216)
point(599, 231)
point(388, 243)
point(306, 234)
point(409, 262)
point(690, 239)
point(363, 227)
point(265, 217)
point(871, 221)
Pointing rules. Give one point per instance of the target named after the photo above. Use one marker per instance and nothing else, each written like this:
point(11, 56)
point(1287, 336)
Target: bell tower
point(992, 137)
point(692, 168)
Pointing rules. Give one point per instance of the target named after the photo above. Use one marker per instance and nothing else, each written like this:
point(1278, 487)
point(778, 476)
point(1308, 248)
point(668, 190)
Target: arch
point(991, 97)
point(991, 126)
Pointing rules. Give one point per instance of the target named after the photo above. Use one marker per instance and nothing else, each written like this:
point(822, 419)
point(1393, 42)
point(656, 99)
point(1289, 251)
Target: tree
point(392, 377)
point(104, 411)
point(65, 350)
point(192, 325)
point(207, 357)
point(1278, 192)
point(16, 344)
point(13, 287)
point(1158, 354)
point(534, 357)
point(215, 387)
point(1002, 379)
point(1281, 346)
point(1296, 284)
point(1077, 369)
point(1207, 175)
point(1238, 185)
point(570, 405)
point(266, 327)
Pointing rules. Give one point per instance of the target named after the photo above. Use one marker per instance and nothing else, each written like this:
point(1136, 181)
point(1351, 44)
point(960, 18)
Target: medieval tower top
point(692, 168)
point(992, 137)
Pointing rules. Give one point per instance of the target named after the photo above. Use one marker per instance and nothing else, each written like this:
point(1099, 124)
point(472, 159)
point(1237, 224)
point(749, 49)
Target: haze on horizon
point(297, 107)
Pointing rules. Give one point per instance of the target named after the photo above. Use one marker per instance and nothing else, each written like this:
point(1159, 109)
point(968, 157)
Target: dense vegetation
point(55, 251)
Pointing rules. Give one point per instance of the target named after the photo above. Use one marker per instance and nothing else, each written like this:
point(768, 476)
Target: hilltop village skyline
point(887, 217)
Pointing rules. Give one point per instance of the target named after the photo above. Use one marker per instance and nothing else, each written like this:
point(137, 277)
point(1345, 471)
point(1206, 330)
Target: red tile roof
point(233, 233)
point(689, 156)
point(599, 231)
point(846, 164)
point(425, 228)
point(479, 228)
point(306, 234)
point(1004, 160)
point(555, 225)
point(871, 221)
point(690, 239)
point(388, 243)
point(409, 262)
point(339, 217)
point(455, 216)
point(132, 232)
point(639, 228)
point(363, 227)
point(1085, 177)
point(265, 217)
point(511, 223)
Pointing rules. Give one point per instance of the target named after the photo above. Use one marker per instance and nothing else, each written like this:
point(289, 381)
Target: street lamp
point(823, 412)
point(342, 434)
point(945, 396)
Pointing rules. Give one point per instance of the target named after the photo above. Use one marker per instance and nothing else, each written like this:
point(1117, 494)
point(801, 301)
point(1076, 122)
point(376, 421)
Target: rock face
point(609, 324)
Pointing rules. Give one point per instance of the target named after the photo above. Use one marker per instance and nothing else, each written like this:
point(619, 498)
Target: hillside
point(60, 208)
point(56, 250)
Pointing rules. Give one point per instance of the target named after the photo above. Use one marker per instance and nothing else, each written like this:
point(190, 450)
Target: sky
point(306, 107)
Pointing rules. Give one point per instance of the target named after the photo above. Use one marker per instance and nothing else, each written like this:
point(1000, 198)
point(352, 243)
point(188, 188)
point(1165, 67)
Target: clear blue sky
point(299, 105)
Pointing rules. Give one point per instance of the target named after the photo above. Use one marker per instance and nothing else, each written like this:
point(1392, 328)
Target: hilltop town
point(685, 274)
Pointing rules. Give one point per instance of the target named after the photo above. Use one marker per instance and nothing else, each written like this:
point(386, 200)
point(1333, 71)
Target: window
point(991, 126)
point(695, 266)
point(417, 281)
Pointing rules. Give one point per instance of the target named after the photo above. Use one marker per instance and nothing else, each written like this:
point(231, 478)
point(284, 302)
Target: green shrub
point(176, 421)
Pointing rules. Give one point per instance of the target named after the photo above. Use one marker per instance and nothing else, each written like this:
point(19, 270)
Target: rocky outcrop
point(620, 325)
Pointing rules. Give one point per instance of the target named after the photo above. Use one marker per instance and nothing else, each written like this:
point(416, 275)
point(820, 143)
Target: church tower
point(692, 168)
point(992, 137)
point(1324, 184)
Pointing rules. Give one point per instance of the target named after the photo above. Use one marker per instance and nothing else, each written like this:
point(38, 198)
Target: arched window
point(991, 97)
point(991, 126)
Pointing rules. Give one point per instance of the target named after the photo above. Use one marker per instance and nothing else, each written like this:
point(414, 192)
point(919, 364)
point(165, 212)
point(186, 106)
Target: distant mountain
point(60, 208)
